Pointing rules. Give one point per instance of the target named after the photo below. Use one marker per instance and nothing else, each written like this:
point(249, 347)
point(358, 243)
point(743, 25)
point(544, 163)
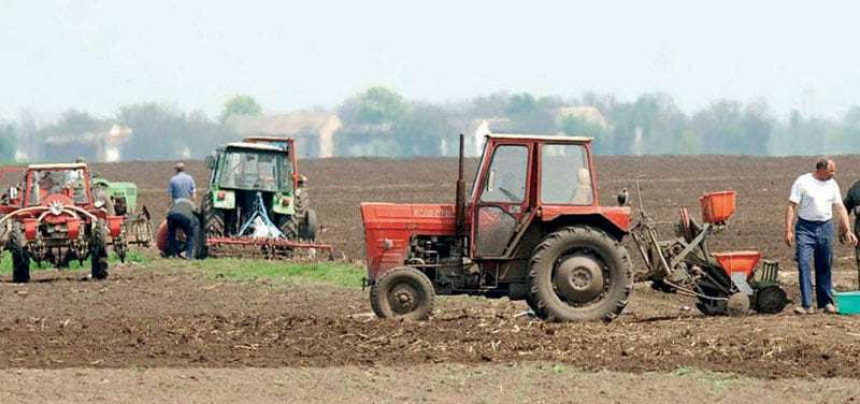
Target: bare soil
point(168, 315)
point(443, 383)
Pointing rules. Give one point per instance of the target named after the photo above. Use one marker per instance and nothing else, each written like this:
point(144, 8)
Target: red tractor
point(532, 229)
point(55, 216)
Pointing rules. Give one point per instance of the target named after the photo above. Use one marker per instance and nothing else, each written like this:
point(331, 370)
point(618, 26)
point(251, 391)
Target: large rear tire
point(580, 273)
point(213, 225)
point(20, 255)
point(296, 226)
point(403, 293)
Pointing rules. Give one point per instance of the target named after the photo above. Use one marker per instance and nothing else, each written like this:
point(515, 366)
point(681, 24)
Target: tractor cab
point(531, 229)
point(246, 166)
point(65, 183)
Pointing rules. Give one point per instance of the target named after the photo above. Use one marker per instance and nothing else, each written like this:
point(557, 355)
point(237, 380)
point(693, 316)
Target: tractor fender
point(613, 219)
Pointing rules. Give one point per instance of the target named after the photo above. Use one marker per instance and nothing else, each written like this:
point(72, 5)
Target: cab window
point(565, 178)
point(506, 179)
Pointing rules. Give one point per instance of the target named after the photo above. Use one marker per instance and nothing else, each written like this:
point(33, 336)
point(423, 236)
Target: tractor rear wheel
point(20, 255)
point(580, 273)
point(98, 251)
point(213, 225)
point(402, 293)
point(301, 225)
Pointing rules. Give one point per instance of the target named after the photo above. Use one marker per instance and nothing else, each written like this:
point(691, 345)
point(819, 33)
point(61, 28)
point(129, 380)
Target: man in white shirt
point(814, 197)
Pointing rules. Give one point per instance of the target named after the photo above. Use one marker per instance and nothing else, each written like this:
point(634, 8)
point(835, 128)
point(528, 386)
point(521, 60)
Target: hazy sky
point(98, 55)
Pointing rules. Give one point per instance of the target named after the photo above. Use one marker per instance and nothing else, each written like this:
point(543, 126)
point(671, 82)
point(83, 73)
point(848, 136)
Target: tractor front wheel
point(20, 255)
point(98, 251)
point(402, 293)
point(580, 273)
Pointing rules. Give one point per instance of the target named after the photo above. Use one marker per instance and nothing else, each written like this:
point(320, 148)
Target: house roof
point(296, 124)
point(590, 114)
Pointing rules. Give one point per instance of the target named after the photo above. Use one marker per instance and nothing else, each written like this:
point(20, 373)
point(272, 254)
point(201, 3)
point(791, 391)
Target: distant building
point(313, 131)
point(103, 145)
point(589, 114)
point(477, 131)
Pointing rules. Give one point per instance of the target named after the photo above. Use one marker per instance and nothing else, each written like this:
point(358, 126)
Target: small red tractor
point(56, 215)
point(532, 229)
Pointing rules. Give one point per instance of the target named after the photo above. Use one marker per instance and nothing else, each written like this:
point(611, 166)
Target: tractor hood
point(389, 227)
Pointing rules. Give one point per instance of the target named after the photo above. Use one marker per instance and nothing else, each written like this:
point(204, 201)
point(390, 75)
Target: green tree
point(421, 130)
point(574, 125)
point(728, 127)
point(158, 132)
point(379, 105)
point(8, 137)
point(240, 105)
point(530, 114)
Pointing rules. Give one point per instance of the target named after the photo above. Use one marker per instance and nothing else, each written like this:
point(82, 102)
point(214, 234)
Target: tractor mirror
point(491, 180)
point(210, 162)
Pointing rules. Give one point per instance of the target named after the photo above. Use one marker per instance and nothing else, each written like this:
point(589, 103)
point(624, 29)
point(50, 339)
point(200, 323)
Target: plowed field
point(170, 315)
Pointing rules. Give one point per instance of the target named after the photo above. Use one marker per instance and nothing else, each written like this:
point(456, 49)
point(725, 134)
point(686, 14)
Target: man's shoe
point(803, 310)
point(830, 309)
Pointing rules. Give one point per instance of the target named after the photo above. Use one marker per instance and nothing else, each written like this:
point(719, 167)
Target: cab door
point(502, 200)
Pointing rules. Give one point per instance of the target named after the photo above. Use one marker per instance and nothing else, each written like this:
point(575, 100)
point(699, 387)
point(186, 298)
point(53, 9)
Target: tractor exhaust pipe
point(460, 203)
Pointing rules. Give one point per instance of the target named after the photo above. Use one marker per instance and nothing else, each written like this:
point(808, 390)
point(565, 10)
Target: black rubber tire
point(617, 268)
point(98, 251)
point(213, 219)
point(20, 255)
point(303, 203)
point(289, 225)
point(213, 225)
point(407, 277)
point(770, 300)
point(533, 307)
point(308, 230)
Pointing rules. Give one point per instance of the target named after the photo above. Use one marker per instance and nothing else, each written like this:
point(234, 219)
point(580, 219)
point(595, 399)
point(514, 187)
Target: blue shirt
point(181, 186)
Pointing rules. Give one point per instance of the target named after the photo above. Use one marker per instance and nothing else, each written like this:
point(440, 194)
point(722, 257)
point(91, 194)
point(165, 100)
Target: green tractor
point(256, 198)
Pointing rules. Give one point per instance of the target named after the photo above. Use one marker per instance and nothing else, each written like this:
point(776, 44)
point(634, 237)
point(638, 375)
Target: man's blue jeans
point(189, 226)
point(814, 242)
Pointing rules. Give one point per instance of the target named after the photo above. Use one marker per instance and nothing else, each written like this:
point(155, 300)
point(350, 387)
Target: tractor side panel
point(389, 228)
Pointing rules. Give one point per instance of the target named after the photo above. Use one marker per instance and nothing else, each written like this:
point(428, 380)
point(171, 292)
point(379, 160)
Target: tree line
point(381, 122)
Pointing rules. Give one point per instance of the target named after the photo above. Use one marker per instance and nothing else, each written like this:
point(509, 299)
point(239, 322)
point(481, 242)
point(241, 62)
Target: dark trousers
point(189, 226)
point(814, 242)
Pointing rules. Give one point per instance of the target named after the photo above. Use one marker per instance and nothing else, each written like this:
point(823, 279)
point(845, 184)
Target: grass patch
point(335, 273)
point(6, 262)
